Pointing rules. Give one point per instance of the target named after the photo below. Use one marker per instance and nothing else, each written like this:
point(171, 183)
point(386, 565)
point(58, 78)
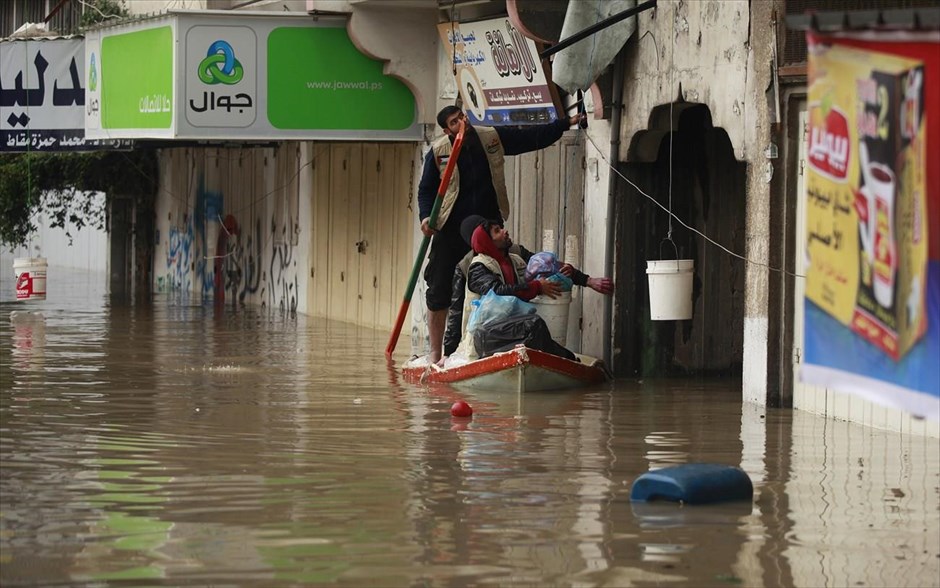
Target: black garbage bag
point(529, 330)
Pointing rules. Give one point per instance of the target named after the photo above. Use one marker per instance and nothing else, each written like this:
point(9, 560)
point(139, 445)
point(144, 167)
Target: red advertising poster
point(873, 217)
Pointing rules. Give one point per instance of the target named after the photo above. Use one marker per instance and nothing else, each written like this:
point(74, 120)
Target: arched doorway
point(709, 194)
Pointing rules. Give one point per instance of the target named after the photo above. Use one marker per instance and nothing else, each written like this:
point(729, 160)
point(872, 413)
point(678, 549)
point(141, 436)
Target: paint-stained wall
point(228, 226)
point(324, 229)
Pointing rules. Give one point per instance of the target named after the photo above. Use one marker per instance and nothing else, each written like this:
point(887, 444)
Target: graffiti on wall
point(225, 253)
point(186, 259)
point(243, 270)
point(283, 266)
point(178, 259)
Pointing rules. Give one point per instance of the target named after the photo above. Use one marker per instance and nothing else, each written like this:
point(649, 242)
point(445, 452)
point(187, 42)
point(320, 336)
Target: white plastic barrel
point(30, 278)
point(670, 289)
point(554, 311)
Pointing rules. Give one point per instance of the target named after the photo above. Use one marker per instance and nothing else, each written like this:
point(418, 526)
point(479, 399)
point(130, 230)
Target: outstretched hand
point(566, 270)
point(576, 118)
point(602, 285)
point(549, 288)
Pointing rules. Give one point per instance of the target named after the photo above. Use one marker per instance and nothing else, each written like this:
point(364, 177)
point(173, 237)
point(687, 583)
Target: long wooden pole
point(423, 249)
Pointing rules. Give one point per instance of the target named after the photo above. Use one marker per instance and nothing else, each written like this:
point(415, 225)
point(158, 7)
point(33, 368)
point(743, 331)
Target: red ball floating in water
point(461, 409)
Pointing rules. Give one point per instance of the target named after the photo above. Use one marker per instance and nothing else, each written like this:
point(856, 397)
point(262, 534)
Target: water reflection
point(29, 339)
point(170, 444)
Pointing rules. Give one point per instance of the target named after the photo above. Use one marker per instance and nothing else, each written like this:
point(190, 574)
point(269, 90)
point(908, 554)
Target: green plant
point(97, 11)
point(57, 184)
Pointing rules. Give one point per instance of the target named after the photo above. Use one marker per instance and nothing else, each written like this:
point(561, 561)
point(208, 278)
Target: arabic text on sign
point(511, 58)
point(211, 102)
point(154, 104)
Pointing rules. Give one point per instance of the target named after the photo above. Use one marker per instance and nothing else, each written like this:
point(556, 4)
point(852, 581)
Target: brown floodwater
point(170, 443)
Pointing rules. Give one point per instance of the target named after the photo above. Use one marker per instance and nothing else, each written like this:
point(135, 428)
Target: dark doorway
point(709, 194)
point(120, 242)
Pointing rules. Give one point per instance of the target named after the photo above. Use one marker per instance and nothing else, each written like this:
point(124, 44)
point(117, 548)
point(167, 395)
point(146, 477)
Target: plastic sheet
point(494, 307)
point(565, 281)
point(528, 330)
point(490, 308)
point(541, 265)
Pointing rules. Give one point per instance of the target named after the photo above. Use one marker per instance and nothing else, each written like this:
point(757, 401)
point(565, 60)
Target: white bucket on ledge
point(30, 278)
point(670, 289)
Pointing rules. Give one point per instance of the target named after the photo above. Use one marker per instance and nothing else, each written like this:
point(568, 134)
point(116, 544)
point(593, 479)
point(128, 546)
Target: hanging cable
point(680, 221)
point(29, 141)
point(672, 87)
point(453, 38)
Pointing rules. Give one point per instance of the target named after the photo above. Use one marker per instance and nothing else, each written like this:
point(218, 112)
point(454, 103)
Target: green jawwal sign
point(218, 77)
point(317, 79)
point(137, 80)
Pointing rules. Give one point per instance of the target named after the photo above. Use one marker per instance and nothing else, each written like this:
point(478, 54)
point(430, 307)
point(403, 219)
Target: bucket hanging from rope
point(670, 283)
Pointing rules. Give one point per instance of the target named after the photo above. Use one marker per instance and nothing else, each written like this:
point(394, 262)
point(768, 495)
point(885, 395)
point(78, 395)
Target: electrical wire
point(681, 222)
point(653, 200)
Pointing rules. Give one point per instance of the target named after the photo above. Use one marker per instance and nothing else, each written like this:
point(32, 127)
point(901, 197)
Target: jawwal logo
point(220, 65)
point(829, 142)
point(93, 75)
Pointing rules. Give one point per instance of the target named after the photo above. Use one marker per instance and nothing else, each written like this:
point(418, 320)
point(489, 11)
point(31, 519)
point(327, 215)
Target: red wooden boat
point(518, 370)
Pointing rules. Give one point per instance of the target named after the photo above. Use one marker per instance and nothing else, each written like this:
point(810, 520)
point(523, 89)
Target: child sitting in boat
point(496, 263)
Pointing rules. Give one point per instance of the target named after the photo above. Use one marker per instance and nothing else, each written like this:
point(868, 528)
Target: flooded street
point(165, 443)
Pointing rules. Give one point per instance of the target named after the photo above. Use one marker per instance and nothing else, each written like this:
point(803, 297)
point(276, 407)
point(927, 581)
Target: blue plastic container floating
point(693, 483)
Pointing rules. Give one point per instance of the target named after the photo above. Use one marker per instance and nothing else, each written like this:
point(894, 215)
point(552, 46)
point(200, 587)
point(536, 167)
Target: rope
point(672, 84)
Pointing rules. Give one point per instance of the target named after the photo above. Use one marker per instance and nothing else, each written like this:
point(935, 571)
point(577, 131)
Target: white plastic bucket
point(554, 311)
point(670, 289)
point(30, 278)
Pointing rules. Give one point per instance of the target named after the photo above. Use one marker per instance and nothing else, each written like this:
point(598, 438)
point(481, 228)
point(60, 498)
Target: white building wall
point(69, 247)
point(719, 52)
point(596, 194)
point(702, 46)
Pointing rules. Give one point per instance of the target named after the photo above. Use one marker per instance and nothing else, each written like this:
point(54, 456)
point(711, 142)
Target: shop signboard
point(223, 76)
point(136, 76)
point(42, 96)
point(873, 203)
point(498, 73)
